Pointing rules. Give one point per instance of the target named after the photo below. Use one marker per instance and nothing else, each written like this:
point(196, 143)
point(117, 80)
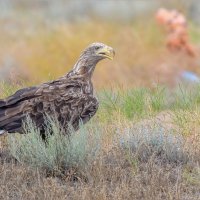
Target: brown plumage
point(69, 98)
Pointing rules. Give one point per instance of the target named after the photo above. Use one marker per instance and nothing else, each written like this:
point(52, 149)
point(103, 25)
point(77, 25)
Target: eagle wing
point(65, 100)
point(12, 109)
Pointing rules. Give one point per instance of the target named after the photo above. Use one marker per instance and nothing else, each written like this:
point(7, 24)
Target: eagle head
point(91, 56)
point(99, 51)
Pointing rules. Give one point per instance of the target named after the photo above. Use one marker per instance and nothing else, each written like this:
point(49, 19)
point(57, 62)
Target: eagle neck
point(82, 72)
point(85, 67)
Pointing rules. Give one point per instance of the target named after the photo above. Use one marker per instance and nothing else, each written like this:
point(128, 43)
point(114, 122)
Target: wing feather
point(20, 95)
point(12, 108)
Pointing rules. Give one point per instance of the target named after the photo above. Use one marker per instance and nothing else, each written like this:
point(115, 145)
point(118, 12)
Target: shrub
point(145, 141)
point(59, 152)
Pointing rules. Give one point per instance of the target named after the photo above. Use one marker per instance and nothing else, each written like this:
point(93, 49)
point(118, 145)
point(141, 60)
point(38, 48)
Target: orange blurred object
point(176, 26)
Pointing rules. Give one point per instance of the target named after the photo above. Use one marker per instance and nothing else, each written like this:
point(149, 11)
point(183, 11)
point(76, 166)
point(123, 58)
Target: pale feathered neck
point(84, 67)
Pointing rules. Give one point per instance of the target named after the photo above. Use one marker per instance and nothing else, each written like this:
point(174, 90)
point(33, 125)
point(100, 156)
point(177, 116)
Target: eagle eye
point(97, 48)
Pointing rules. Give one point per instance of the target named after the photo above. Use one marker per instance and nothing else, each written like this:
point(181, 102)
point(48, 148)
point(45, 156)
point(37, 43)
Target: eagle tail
point(2, 132)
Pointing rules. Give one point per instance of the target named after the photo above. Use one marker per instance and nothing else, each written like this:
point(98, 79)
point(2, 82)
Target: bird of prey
point(69, 98)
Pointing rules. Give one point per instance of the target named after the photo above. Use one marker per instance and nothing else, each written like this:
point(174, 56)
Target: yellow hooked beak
point(106, 52)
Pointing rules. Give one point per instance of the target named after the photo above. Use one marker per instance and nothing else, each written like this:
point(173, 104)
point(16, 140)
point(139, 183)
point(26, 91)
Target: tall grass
point(143, 103)
point(158, 99)
point(134, 103)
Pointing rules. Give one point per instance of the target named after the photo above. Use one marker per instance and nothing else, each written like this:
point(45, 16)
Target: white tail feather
point(2, 132)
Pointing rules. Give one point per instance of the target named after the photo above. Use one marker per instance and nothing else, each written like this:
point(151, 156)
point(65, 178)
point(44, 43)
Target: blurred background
point(41, 40)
